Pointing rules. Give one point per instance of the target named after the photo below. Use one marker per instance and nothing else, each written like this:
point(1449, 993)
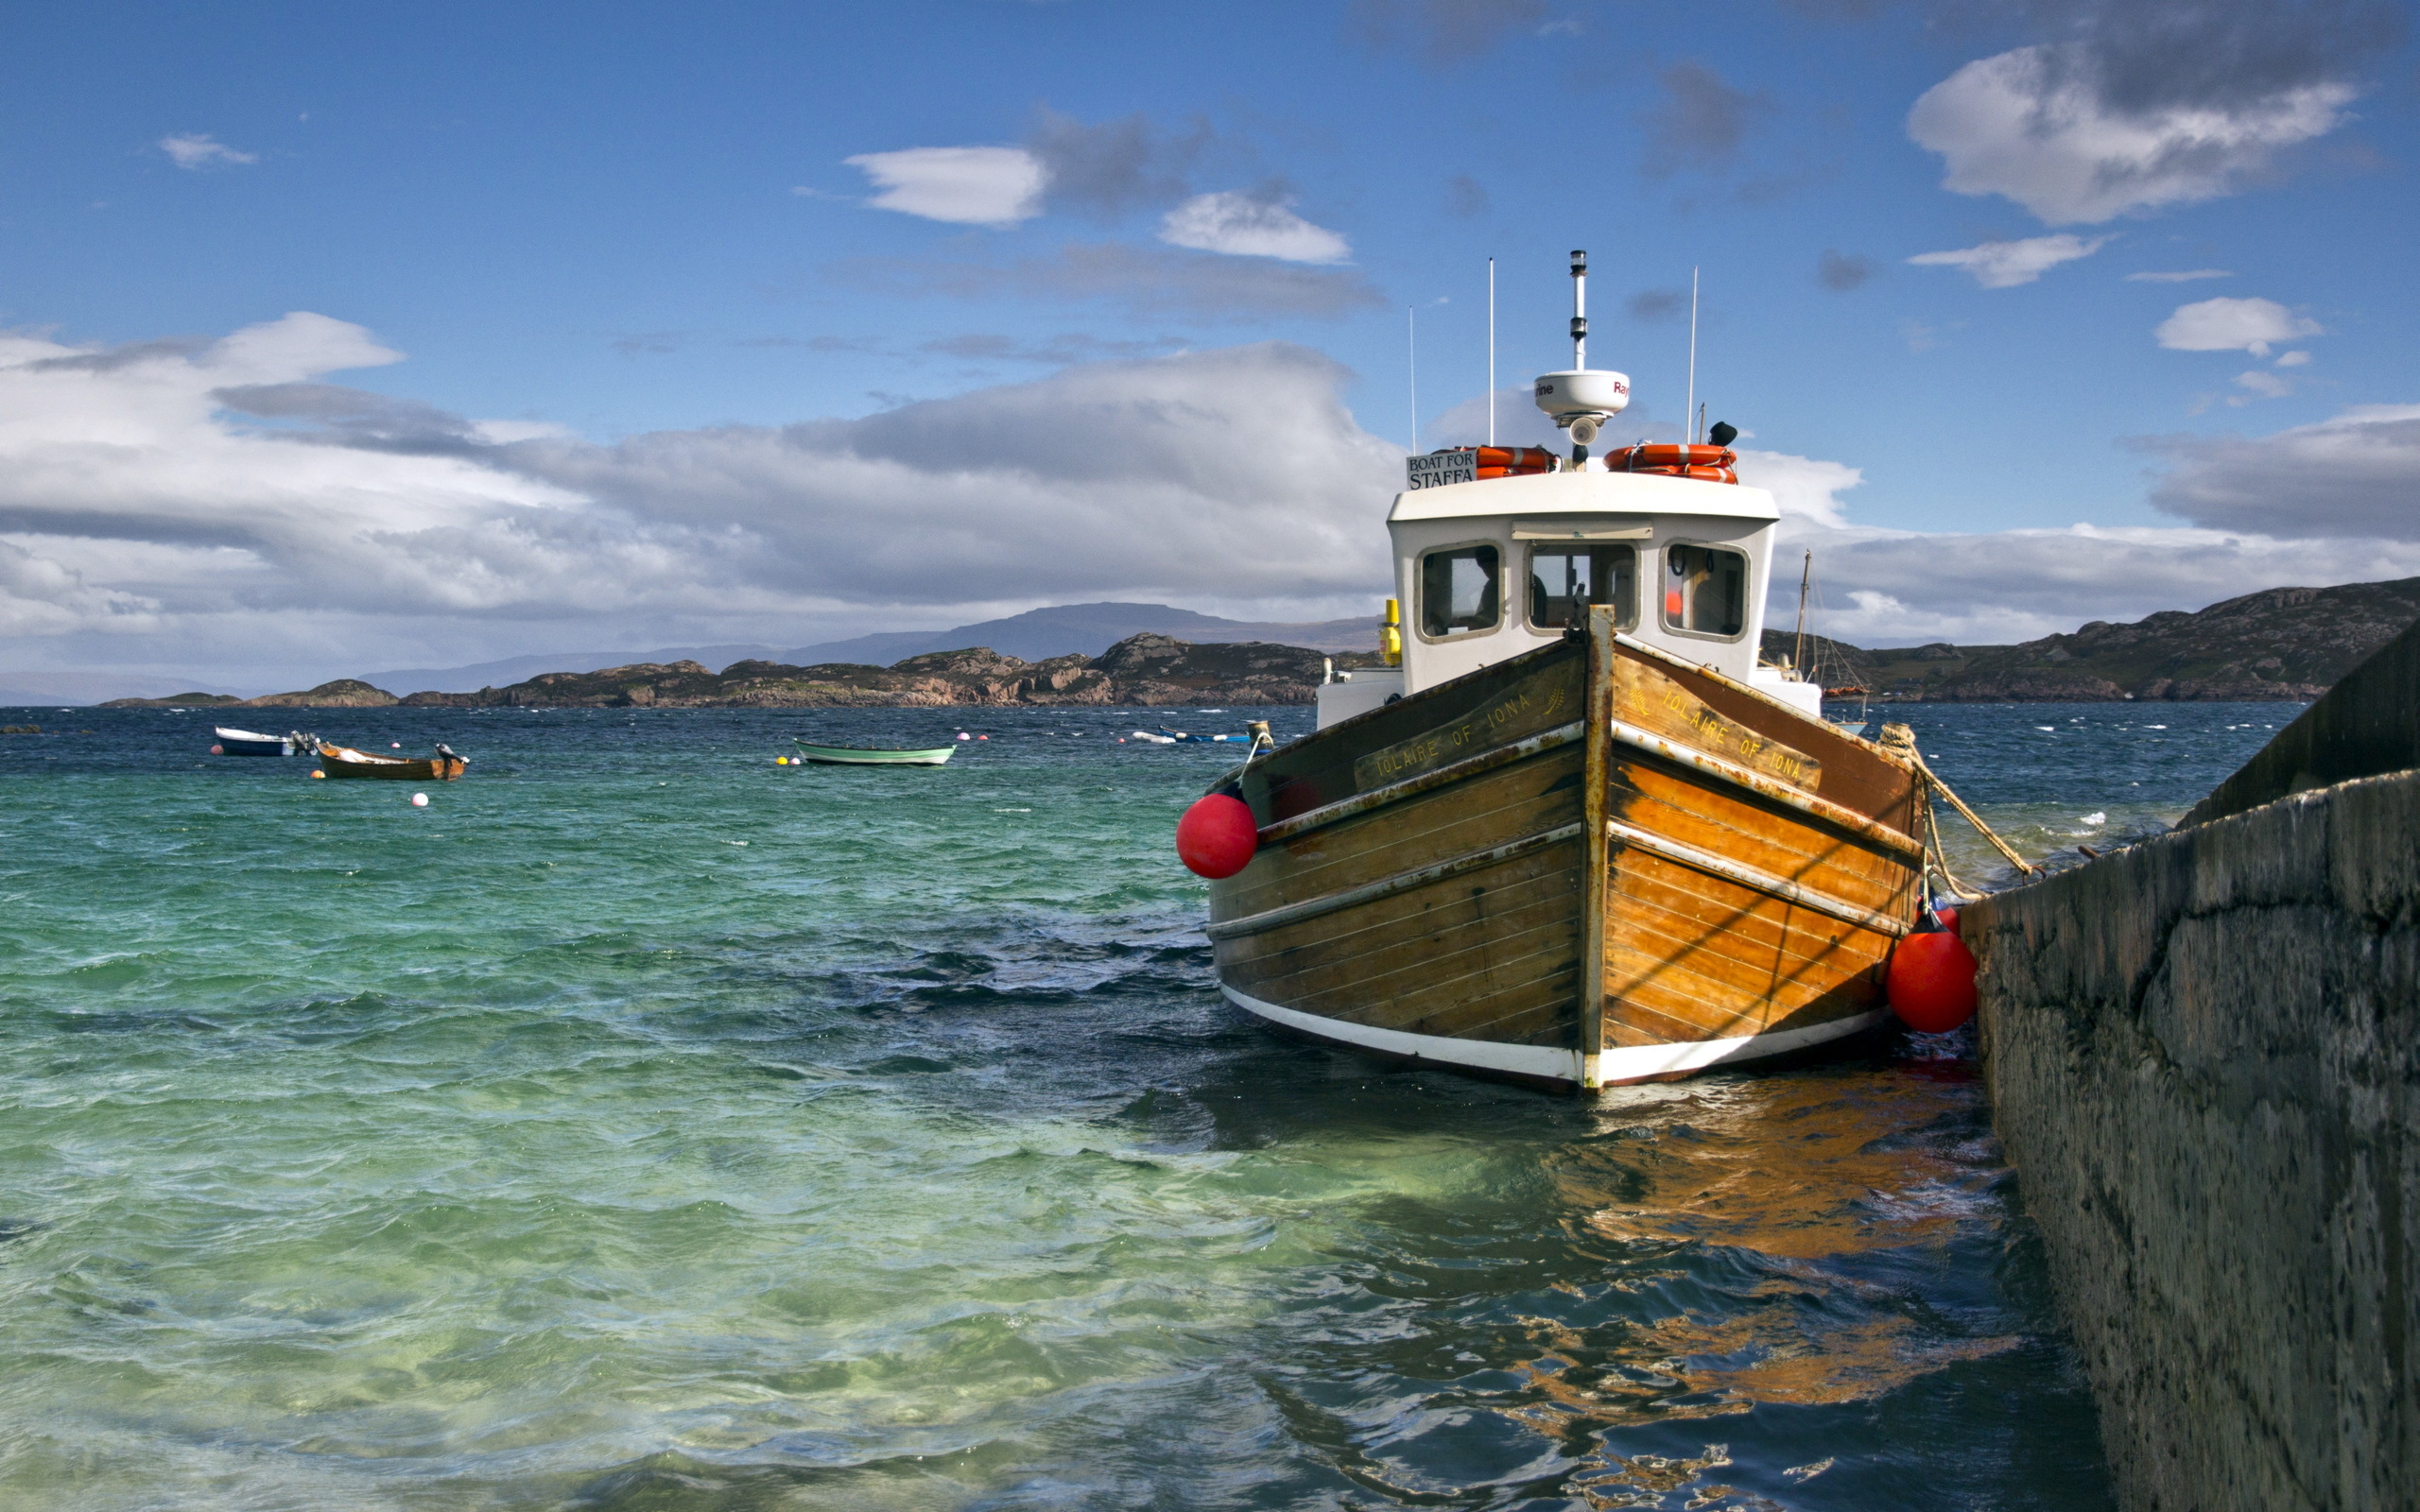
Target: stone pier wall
point(2203, 1056)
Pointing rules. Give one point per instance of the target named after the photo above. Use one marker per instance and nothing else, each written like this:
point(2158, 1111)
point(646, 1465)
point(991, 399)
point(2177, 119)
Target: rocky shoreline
point(1145, 670)
point(2283, 644)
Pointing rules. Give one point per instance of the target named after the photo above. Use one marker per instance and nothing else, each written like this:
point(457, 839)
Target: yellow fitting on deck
point(1391, 634)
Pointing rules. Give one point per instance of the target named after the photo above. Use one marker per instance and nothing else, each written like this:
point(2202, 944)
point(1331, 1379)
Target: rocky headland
point(2280, 643)
point(1147, 670)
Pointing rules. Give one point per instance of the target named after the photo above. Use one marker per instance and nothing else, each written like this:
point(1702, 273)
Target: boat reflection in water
point(1732, 1292)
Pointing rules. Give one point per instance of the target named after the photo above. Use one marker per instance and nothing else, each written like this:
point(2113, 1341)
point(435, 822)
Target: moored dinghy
point(343, 760)
point(871, 755)
point(233, 742)
point(1577, 834)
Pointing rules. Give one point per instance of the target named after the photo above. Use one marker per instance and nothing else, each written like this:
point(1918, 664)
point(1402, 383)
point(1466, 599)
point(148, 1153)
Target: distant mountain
point(1036, 635)
point(515, 668)
point(1088, 629)
point(20, 690)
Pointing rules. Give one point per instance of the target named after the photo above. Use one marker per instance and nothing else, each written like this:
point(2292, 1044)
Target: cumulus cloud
point(223, 505)
point(969, 186)
point(2357, 475)
point(225, 500)
point(1806, 487)
point(1240, 225)
point(1997, 587)
point(2040, 126)
point(1142, 280)
point(2232, 325)
point(2006, 265)
point(200, 150)
point(1699, 121)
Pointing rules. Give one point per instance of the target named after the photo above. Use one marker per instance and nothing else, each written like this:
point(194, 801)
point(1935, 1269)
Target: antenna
point(1490, 352)
point(1411, 326)
point(1691, 411)
point(1580, 311)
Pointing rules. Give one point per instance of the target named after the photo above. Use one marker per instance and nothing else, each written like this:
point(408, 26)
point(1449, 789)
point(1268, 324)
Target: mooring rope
point(1901, 740)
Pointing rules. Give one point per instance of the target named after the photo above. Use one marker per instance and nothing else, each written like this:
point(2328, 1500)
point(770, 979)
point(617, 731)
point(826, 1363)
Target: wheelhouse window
point(1458, 592)
point(1564, 580)
point(1705, 591)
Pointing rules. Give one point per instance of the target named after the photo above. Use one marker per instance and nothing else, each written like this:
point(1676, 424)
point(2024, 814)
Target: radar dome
point(1583, 391)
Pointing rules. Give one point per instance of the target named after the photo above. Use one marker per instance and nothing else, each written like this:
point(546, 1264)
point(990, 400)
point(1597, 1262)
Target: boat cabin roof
point(1554, 493)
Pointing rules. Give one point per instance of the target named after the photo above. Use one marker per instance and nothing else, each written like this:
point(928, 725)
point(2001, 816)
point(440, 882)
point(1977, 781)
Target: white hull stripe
point(1750, 877)
point(1389, 887)
point(1617, 1064)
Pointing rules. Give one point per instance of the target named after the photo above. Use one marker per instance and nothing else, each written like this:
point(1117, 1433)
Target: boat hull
point(252, 743)
point(856, 756)
point(1590, 865)
point(338, 760)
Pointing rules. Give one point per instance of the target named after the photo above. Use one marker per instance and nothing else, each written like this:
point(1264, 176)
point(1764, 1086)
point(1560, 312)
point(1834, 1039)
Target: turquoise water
point(644, 1125)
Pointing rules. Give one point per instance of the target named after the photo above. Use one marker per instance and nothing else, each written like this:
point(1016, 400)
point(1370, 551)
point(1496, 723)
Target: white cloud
point(222, 508)
point(1243, 226)
point(2357, 475)
point(1806, 487)
point(2267, 385)
point(2232, 325)
point(200, 150)
point(2189, 276)
point(1999, 587)
point(969, 186)
point(2029, 124)
point(2006, 265)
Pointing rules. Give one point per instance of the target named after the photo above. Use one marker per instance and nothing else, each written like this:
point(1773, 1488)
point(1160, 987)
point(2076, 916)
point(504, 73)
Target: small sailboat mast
point(1798, 647)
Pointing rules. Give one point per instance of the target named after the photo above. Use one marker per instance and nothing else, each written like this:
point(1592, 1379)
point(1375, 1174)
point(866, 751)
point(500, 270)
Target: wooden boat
point(343, 760)
point(1563, 841)
point(233, 742)
point(871, 755)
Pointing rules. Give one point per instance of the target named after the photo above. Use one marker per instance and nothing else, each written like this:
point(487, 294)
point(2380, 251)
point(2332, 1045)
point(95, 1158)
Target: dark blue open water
point(644, 1125)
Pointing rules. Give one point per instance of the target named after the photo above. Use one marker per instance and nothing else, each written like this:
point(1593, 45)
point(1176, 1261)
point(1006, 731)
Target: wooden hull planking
point(1589, 865)
point(340, 761)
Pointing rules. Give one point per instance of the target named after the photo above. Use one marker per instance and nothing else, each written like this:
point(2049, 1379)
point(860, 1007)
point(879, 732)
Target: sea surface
point(645, 1126)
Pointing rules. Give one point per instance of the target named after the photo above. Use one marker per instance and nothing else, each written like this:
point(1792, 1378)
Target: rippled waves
point(642, 1126)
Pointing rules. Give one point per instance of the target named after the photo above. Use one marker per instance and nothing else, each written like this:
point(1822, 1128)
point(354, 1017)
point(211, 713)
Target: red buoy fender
point(1217, 836)
point(1931, 982)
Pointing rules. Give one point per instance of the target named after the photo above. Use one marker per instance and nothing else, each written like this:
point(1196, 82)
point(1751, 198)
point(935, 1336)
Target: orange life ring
point(1504, 461)
point(1708, 464)
point(1639, 458)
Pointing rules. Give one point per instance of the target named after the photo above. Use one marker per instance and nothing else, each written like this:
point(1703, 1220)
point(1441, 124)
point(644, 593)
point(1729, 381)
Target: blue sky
point(515, 329)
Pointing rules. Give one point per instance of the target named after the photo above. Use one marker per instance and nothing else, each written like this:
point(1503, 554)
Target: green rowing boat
point(865, 756)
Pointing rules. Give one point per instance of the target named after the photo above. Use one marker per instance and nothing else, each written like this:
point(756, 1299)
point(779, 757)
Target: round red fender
point(1931, 979)
point(1949, 917)
point(1217, 836)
